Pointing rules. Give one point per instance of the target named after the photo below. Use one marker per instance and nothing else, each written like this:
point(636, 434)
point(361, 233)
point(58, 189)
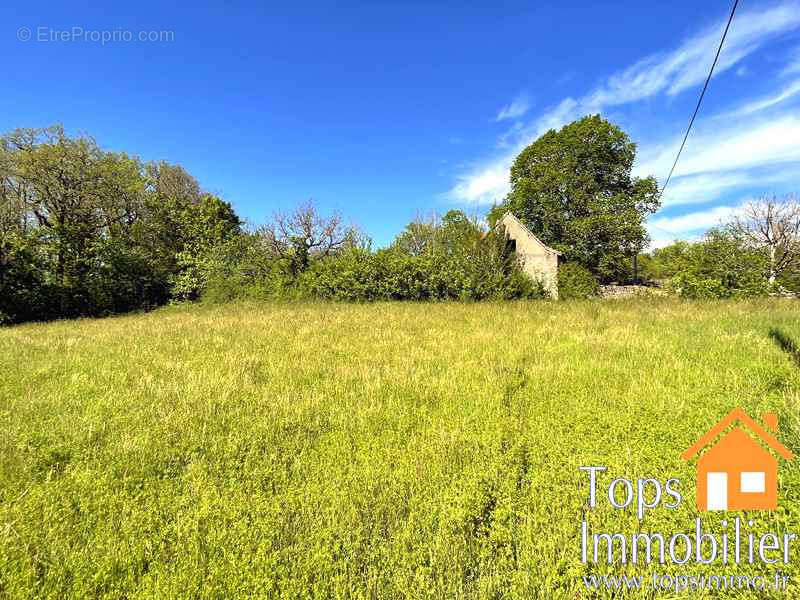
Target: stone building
point(537, 259)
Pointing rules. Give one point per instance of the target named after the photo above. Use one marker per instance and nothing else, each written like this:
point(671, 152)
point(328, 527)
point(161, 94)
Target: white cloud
point(660, 241)
point(688, 65)
point(694, 222)
point(518, 107)
point(766, 102)
point(485, 187)
point(794, 63)
point(703, 188)
point(664, 73)
point(707, 187)
point(689, 227)
point(740, 145)
point(512, 133)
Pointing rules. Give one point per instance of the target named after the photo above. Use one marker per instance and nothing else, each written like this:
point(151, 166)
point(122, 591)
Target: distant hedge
point(479, 270)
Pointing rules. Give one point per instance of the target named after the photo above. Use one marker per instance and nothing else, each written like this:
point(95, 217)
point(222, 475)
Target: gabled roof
point(737, 414)
point(528, 232)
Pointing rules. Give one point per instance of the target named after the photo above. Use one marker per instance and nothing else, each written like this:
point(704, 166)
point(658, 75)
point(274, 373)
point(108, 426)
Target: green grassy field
point(367, 451)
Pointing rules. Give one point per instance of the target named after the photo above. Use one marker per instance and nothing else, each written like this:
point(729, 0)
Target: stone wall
point(626, 291)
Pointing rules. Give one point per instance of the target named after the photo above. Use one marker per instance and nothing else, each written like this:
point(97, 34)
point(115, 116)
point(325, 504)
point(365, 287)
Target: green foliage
point(89, 232)
point(720, 266)
point(456, 261)
point(790, 280)
point(576, 282)
point(358, 275)
point(302, 236)
point(122, 279)
point(417, 238)
point(26, 292)
point(573, 188)
point(243, 268)
point(668, 261)
point(205, 225)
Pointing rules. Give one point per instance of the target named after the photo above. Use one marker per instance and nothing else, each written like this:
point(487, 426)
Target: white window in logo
point(717, 491)
point(753, 482)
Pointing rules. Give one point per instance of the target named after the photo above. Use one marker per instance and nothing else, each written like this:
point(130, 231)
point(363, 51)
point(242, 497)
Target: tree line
point(87, 232)
point(755, 253)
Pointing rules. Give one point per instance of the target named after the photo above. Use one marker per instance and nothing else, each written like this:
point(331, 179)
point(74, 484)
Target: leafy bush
point(718, 267)
point(359, 275)
point(206, 224)
point(691, 285)
point(790, 280)
point(241, 268)
point(454, 260)
point(576, 282)
point(351, 275)
point(123, 279)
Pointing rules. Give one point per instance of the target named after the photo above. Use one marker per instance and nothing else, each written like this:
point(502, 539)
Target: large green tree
point(574, 189)
point(84, 231)
point(74, 199)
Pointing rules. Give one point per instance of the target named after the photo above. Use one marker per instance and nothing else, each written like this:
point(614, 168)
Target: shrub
point(123, 279)
point(242, 268)
point(456, 262)
point(351, 275)
point(691, 285)
point(576, 282)
point(719, 267)
point(790, 280)
point(359, 275)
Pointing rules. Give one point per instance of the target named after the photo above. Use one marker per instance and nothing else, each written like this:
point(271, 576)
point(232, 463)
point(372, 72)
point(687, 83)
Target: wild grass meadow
point(389, 450)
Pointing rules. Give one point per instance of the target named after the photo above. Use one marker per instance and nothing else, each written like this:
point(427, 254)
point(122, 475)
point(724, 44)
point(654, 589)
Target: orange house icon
point(738, 472)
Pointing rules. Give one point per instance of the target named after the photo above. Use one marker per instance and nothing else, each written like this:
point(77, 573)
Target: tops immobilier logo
point(738, 472)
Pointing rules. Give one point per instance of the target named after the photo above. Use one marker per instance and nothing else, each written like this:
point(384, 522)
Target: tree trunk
point(772, 273)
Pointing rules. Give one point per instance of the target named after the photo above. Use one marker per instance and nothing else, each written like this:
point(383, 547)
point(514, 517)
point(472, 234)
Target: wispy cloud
point(738, 145)
point(691, 226)
point(688, 65)
point(695, 222)
point(794, 63)
point(487, 185)
point(709, 187)
point(518, 107)
point(666, 73)
point(766, 102)
point(700, 189)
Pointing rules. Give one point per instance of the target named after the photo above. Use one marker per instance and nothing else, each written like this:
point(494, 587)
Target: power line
point(700, 100)
point(673, 234)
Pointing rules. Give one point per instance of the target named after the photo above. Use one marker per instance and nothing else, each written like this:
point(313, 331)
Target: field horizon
point(386, 450)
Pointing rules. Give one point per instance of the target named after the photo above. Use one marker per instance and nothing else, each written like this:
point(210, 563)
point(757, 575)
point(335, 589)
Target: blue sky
point(385, 111)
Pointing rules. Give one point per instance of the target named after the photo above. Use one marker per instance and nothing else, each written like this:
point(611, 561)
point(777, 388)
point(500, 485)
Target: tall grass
point(365, 451)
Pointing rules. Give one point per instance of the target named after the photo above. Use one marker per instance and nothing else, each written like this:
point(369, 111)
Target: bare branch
point(772, 224)
point(304, 234)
